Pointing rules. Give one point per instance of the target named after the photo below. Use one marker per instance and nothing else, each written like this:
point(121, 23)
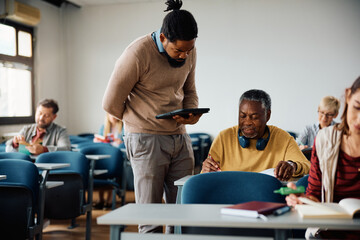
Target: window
point(16, 74)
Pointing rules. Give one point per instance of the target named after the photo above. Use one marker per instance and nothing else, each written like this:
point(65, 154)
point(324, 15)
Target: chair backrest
point(68, 200)
point(14, 155)
point(231, 188)
point(78, 163)
point(74, 139)
point(2, 148)
point(307, 152)
point(89, 136)
point(114, 164)
point(303, 181)
point(89, 143)
point(20, 172)
point(18, 198)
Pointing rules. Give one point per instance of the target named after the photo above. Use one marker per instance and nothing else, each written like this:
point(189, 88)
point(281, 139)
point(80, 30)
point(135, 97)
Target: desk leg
point(44, 174)
point(115, 232)
point(90, 200)
point(177, 229)
point(280, 234)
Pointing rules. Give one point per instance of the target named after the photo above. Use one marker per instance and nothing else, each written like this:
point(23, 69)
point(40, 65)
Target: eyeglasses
point(327, 115)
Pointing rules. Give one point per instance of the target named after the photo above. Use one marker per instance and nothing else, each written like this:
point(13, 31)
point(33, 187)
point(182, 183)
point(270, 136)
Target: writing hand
point(209, 165)
point(192, 119)
point(284, 170)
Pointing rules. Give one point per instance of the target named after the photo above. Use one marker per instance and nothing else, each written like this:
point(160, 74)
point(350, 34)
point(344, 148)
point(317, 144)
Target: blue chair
point(67, 201)
point(74, 139)
point(201, 143)
point(115, 176)
point(90, 143)
point(293, 134)
point(19, 200)
point(89, 136)
point(15, 155)
point(307, 152)
point(303, 181)
point(230, 188)
point(2, 148)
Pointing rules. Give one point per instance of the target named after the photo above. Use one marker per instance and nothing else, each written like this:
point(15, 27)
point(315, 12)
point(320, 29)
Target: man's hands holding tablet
point(184, 116)
point(191, 119)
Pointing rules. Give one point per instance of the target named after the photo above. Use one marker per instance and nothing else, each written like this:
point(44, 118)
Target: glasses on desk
point(327, 115)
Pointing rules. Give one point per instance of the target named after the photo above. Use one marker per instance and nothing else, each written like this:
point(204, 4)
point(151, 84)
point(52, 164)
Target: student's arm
point(123, 79)
point(294, 154)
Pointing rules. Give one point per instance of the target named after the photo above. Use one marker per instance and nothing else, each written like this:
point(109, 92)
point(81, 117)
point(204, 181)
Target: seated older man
point(254, 146)
point(44, 135)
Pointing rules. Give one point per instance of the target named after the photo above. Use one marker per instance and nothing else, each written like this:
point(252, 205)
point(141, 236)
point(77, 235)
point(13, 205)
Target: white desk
point(51, 166)
point(208, 215)
point(2, 177)
point(52, 184)
point(180, 183)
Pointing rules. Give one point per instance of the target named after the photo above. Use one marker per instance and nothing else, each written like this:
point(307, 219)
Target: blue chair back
point(66, 201)
point(303, 181)
point(2, 148)
point(114, 164)
point(76, 139)
point(14, 155)
point(19, 201)
point(89, 136)
point(78, 163)
point(231, 187)
point(87, 144)
point(22, 173)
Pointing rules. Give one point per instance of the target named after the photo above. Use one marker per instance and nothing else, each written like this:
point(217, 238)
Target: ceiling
point(80, 3)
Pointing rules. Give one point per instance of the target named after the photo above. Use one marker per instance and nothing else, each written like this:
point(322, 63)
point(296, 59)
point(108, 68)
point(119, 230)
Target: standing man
point(154, 75)
point(44, 135)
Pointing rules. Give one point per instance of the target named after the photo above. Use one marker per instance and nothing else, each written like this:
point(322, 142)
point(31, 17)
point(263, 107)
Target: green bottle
point(287, 191)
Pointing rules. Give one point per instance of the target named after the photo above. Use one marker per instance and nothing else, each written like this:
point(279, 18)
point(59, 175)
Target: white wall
point(49, 68)
point(296, 50)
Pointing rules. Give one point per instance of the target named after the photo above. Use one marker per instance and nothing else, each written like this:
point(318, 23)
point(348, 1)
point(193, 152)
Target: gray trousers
point(157, 161)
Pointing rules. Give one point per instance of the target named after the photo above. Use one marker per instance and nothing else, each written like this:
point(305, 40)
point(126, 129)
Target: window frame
point(29, 61)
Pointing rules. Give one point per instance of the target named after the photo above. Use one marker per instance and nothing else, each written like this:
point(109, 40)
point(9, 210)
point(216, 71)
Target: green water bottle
point(287, 191)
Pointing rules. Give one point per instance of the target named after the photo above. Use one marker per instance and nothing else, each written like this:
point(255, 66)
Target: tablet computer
point(183, 112)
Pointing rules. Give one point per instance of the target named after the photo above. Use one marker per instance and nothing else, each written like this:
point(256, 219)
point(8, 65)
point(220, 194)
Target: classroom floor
point(58, 229)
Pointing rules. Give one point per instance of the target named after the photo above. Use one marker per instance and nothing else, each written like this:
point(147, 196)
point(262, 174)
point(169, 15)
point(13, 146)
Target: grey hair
point(258, 96)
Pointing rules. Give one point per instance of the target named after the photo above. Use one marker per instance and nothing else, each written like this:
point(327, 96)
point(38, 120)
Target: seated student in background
point(253, 146)
point(44, 135)
point(328, 110)
point(111, 130)
point(335, 162)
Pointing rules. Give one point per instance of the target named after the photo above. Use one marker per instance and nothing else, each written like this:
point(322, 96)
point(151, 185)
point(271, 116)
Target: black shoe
point(99, 205)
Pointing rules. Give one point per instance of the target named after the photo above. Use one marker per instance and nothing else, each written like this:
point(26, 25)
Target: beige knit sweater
point(327, 144)
point(143, 85)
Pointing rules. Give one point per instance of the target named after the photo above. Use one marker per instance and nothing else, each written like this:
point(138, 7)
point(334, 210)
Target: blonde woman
point(328, 110)
point(111, 131)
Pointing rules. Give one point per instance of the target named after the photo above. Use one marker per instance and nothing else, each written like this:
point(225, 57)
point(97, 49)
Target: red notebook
point(252, 209)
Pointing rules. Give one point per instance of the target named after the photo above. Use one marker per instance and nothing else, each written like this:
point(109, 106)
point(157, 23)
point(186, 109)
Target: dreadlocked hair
point(178, 24)
point(173, 5)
